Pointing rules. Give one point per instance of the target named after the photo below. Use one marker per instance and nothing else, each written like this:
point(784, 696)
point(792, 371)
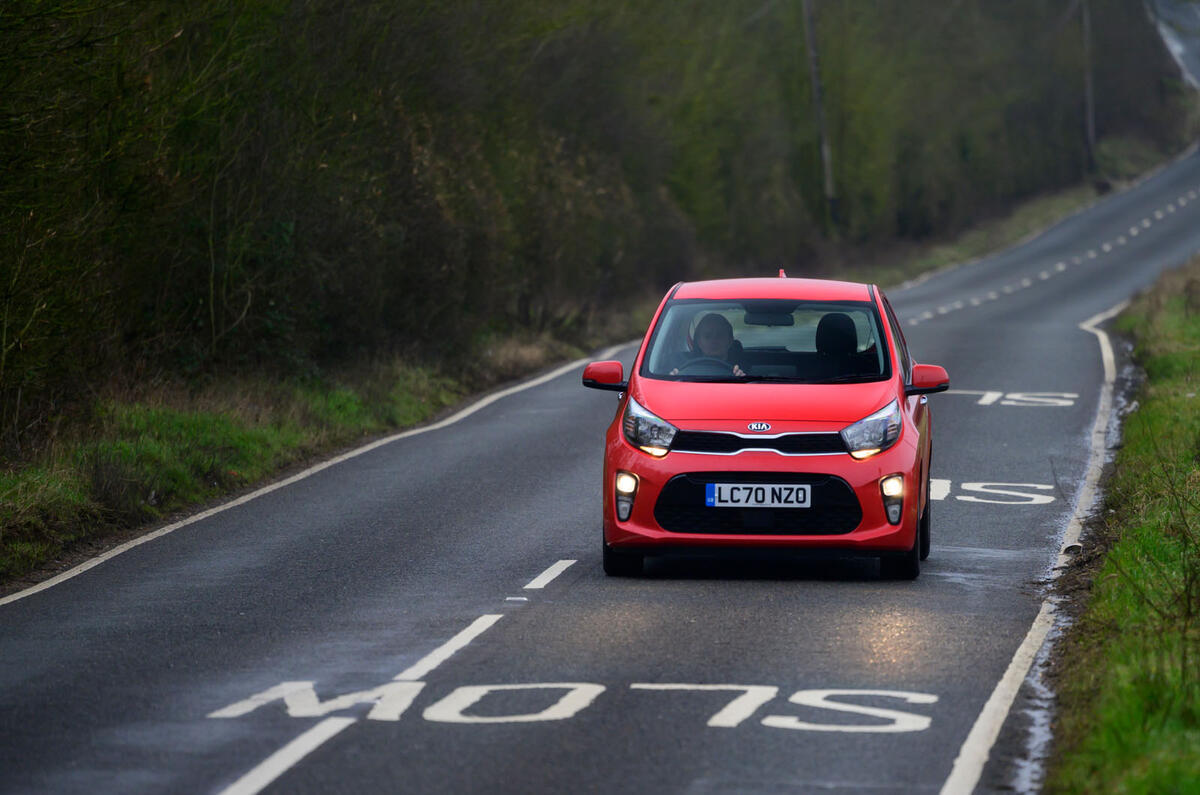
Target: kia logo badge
point(759, 426)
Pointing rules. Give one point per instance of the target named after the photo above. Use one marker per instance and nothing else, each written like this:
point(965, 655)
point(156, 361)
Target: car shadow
point(760, 565)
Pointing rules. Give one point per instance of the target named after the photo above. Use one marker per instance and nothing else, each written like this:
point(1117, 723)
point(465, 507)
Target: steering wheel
point(705, 360)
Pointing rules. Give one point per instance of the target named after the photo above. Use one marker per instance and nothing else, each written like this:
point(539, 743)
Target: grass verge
point(1129, 677)
point(138, 458)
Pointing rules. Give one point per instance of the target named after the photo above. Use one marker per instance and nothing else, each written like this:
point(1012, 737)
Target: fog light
point(626, 487)
point(892, 488)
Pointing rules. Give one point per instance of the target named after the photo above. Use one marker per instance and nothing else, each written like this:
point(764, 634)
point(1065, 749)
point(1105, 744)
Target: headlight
point(875, 433)
point(645, 431)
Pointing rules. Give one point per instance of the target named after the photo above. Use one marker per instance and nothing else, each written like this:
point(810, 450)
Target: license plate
point(756, 495)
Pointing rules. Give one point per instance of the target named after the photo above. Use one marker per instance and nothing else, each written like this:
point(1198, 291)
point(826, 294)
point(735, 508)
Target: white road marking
point(1040, 399)
point(939, 488)
point(1134, 231)
point(1006, 490)
point(1021, 399)
point(901, 721)
point(286, 757)
point(1158, 215)
point(1060, 266)
point(1121, 240)
point(973, 755)
point(452, 419)
point(1107, 247)
point(733, 713)
point(543, 579)
point(300, 698)
point(968, 765)
point(1145, 223)
point(1044, 275)
point(987, 399)
point(451, 708)
point(442, 653)
point(1170, 208)
point(391, 700)
point(516, 598)
point(1091, 253)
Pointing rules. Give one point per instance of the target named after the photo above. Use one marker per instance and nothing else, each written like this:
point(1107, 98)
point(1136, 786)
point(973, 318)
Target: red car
point(773, 413)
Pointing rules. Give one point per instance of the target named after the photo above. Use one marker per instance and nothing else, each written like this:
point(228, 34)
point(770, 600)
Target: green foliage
point(141, 461)
point(1131, 704)
point(226, 186)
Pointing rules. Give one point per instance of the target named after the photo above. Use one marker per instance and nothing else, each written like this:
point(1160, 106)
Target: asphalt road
point(340, 591)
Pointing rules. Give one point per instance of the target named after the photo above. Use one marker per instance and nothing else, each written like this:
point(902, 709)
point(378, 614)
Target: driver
point(714, 340)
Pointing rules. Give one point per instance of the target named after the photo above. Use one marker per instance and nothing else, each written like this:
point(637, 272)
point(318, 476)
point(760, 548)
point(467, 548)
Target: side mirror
point(927, 379)
point(605, 375)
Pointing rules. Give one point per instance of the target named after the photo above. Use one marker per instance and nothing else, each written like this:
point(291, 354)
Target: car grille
point(681, 509)
point(729, 443)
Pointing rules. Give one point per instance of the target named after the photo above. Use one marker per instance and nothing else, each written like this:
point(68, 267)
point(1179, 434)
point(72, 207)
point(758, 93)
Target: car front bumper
point(847, 509)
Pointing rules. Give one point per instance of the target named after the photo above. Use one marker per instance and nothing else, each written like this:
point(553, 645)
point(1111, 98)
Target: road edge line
point(973, 755)
point(458, 416)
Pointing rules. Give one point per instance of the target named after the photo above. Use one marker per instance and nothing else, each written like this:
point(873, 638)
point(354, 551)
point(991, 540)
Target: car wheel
point(903, 567)
point(924, 527)
point(622, 564)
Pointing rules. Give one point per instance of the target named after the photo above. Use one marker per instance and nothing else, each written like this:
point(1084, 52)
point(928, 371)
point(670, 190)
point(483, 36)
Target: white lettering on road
point(993, 397)
point(451, 709)
point(1017, 493)
point(733, 713)
point(819, 699)
point(1007, 490)
point(300, 698)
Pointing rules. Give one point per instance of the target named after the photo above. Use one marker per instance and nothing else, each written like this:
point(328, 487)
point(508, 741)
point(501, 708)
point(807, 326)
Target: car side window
point(898, 335)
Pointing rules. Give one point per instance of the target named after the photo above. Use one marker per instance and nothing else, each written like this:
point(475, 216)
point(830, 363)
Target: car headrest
point(836, 335)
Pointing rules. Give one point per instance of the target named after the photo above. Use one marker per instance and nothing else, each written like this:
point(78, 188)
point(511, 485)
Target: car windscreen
point(768, 340)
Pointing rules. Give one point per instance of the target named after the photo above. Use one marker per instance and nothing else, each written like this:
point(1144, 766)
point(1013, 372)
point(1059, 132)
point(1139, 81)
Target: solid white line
point(286, 757)
point(968, 765)
point(543, 579)
point(456, 417)
point(973, 755)
point(447, 649)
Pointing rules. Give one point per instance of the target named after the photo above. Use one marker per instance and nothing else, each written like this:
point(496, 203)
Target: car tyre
point(924, 528)
point(622, 564)
point(903, 567)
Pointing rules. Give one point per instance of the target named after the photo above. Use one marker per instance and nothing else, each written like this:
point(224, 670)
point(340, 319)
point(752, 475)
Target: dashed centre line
point(1061, 266)
point(543, 579)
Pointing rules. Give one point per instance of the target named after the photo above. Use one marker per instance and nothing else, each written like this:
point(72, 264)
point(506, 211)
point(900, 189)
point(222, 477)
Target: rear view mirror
point(605, 375)
point(769, 313)
point(927, 379)
point(769, 319)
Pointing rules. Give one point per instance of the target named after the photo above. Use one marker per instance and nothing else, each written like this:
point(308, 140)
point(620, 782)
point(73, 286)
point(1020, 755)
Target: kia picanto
point(776, 413)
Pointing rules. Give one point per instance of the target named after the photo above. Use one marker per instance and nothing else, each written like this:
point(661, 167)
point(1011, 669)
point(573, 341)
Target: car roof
point(778, 288)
